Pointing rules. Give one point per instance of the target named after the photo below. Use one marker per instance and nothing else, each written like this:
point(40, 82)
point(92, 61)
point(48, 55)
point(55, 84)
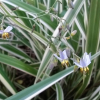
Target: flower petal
point(51, 66)
point(82, 63)
point(1, 31)
point(61, 55)
point(8, 29)
point(78, 64)
point(87, 60)
point(65, 54)
point(90, 55)
point(84, 56)
point(58, 57)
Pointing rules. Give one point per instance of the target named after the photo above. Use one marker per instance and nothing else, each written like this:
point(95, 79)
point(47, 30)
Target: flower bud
point(74, 32)
point(55, 10)
point(70, 4)
point(67, 38)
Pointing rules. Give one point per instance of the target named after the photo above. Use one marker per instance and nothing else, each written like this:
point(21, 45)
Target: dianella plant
point(49, 50)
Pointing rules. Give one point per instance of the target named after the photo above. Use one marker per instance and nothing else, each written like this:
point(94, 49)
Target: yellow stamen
point(86, 69)
point(81, 70)
point(67, 38)
point(5, 35)
point(64, 63)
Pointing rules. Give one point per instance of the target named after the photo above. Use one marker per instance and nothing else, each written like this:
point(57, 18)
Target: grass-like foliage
point(49, 50)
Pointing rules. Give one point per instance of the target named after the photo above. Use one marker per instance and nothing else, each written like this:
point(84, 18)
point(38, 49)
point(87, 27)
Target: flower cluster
point(82, 63)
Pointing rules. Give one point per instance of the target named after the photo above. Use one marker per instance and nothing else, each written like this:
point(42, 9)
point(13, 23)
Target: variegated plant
point(57, 33)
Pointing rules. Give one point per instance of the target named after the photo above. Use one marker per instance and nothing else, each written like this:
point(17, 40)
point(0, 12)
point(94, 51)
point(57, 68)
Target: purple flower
point(63, 57)
point(8, 29)
point(5, 33)
point(52, 65)
point(84, 62)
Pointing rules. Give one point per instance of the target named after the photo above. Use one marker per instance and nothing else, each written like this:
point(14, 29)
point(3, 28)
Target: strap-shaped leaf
point(15, 51)
point(34, 90)
point(69, 17)
point(60, 95)
point(2, 96)
point(33, 11)
point(92, 39)
point(6, 81)
point(14, 62)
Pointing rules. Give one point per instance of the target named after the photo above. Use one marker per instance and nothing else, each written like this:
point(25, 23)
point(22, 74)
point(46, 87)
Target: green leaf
point(80, 24)
point(92, 39)
point(19, 22)
point(86, 14)
point(44, 63)
point(34, 90)
point(15, 51)
point(60, 95)
point(2, 41)
point(41, 6)
point(32, 11)
point(95, 93)
point(2, 96)
point(13, 62)
point(69, 16)
point(26, 21)
point(6, 81)
point(95, 55)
